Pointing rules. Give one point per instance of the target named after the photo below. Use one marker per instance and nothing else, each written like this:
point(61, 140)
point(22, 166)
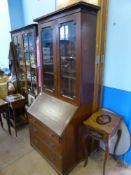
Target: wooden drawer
point(95, 134)
point(52, 144)
point(46, 135)
point(54, 158)
point(45, 131)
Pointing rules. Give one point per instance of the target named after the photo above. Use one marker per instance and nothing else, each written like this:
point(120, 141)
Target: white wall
point(118, 51)
point(4, 33)
point(36, 8)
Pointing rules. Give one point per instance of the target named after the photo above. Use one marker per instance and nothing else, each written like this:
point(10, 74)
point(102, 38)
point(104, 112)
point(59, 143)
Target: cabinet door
point(33, 64)
point(48, 58)
point(30, 62)
point(68, 58)
point(27, 62)
point(19, 63)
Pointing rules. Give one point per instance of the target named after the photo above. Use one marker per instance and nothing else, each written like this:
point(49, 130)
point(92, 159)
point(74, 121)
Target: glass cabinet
point(26, 69)
point(67, 54)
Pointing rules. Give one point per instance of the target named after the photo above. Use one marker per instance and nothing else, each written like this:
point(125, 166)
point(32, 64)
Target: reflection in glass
point(26, 76)
point(19, 62)
point(25, 42)
point(47, 51)
point(27, 60)
point(68, 58)
point(31, 43)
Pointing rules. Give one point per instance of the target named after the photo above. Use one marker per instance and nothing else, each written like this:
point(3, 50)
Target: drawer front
point(54, 158)
point(44, 130)
point(95, 134)
point(46, 136)
point(53, 145)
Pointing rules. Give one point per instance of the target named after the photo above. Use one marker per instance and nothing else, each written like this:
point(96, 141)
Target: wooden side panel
point(100, 53)
point(88, 57)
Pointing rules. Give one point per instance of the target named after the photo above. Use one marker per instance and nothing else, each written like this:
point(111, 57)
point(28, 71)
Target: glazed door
point(69, 51)
point(49, 75)
point(33, 62)
point(19, 63)
point(26, 63)
point(30, 62)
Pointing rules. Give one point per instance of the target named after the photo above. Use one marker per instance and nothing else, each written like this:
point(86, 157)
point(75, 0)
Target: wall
point(118, 52)
point(36, 8)
point(117, 81)
point(64, 3)
point(4, 33)
point(16, 14)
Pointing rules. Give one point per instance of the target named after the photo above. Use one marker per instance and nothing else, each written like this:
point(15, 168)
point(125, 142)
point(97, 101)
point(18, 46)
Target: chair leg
point(14, 116)
point(1, 120)
point(8, 122)
point(85, 147)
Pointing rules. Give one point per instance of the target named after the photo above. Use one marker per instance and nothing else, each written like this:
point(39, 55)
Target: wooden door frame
point(100, 54)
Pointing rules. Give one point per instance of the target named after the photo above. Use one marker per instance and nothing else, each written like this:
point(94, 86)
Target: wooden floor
point(17, 157)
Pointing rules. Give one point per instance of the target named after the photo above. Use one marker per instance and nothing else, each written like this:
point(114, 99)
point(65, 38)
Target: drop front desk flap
point(54, 113)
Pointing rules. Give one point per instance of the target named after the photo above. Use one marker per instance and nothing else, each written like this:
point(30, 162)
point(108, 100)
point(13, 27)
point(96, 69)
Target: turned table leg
point(117, 141)
point(84, 140)
point(8, 122)
point(1, 120)
point(106, 157)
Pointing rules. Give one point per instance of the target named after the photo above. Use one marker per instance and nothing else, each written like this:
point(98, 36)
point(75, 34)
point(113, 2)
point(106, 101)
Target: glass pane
point(27, 60)
point(31, 43)
point(19, 63)
point(18, 49)
point(32, 49)
point(68, 59)
point(32, 63)
point(48, 62)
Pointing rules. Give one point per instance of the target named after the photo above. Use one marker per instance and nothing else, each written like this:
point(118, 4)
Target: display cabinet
point(67, 43)
point(25, 63)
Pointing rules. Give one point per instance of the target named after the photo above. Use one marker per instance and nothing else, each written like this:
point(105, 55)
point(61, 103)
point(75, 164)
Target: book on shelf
point(14, 97)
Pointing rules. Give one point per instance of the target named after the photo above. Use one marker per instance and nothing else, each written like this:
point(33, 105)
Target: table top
point(2, 102)
point(108, 127)
point(14, 97)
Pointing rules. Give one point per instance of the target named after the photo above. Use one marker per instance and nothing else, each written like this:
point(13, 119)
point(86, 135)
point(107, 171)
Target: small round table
point(101, 125)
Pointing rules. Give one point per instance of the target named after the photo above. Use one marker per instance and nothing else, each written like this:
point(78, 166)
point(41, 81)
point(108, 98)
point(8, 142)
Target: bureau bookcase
point(67, 47)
